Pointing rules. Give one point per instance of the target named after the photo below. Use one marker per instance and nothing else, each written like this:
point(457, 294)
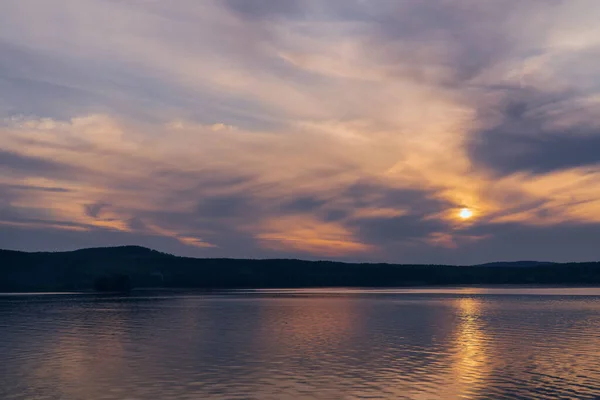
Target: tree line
point(122, 268)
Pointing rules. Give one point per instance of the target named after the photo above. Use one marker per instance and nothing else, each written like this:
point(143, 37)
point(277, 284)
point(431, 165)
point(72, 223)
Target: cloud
point(34, 188)
point(540, 133)
point(397, 229)
point(309, 235)
point(342, 129)
point(264, 8)
point(94, 210)
point(30, 165)
point(303, 204)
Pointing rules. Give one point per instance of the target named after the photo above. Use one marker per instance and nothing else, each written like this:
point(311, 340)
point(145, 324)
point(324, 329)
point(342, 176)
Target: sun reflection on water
point(279, 345)
point(470, 354)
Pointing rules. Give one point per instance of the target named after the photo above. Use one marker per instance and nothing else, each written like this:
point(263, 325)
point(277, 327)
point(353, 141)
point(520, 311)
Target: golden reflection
point(470, 358)
point(480, 351)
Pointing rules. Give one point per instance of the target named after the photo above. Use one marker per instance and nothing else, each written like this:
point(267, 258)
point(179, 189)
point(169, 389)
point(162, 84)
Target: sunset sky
point(428, 131)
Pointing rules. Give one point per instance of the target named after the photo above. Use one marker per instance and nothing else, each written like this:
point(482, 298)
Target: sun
point(465, 213)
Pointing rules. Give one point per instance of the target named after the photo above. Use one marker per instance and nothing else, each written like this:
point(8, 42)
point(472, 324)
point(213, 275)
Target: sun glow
point(465, 213)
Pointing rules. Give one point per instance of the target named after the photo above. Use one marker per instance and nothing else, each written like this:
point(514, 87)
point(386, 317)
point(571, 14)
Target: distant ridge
point(129, 250)
point(147, 268)
point(140, 251)
point(517, 264)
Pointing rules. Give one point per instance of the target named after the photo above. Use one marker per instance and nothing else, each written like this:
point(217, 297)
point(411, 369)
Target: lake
point(457, 343)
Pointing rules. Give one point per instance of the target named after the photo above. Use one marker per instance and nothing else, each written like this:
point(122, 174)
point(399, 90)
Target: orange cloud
point(310, 236)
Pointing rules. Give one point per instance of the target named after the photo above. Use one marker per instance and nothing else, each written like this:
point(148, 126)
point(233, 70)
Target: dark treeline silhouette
point(113, 283)
point(144, 268)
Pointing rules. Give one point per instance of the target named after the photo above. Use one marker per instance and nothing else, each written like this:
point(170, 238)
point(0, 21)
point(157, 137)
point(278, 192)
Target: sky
point(348, 130)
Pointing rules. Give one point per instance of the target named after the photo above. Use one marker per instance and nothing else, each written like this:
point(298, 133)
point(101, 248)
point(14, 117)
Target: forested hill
point(78, 270)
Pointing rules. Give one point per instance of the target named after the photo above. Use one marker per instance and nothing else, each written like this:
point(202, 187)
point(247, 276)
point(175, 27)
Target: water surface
point(462, 343)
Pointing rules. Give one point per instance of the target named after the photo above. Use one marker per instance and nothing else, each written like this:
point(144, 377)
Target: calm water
point(404, 344)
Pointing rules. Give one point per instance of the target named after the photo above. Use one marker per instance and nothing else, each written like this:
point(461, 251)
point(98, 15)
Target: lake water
point(303, 344)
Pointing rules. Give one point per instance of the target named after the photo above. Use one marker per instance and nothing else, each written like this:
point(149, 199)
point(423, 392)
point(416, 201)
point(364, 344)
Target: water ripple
point(419, 345)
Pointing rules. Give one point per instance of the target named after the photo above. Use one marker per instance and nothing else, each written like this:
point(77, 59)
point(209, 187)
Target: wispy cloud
point(339, 129)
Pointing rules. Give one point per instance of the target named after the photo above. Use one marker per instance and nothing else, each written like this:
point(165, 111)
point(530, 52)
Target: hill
point(516, 264)
point(79, 270)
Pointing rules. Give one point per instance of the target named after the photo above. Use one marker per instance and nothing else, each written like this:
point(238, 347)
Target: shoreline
point(429, 289)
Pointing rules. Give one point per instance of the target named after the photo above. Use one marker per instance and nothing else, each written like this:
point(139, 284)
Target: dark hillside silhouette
point(113, 283)
point(145, 268)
